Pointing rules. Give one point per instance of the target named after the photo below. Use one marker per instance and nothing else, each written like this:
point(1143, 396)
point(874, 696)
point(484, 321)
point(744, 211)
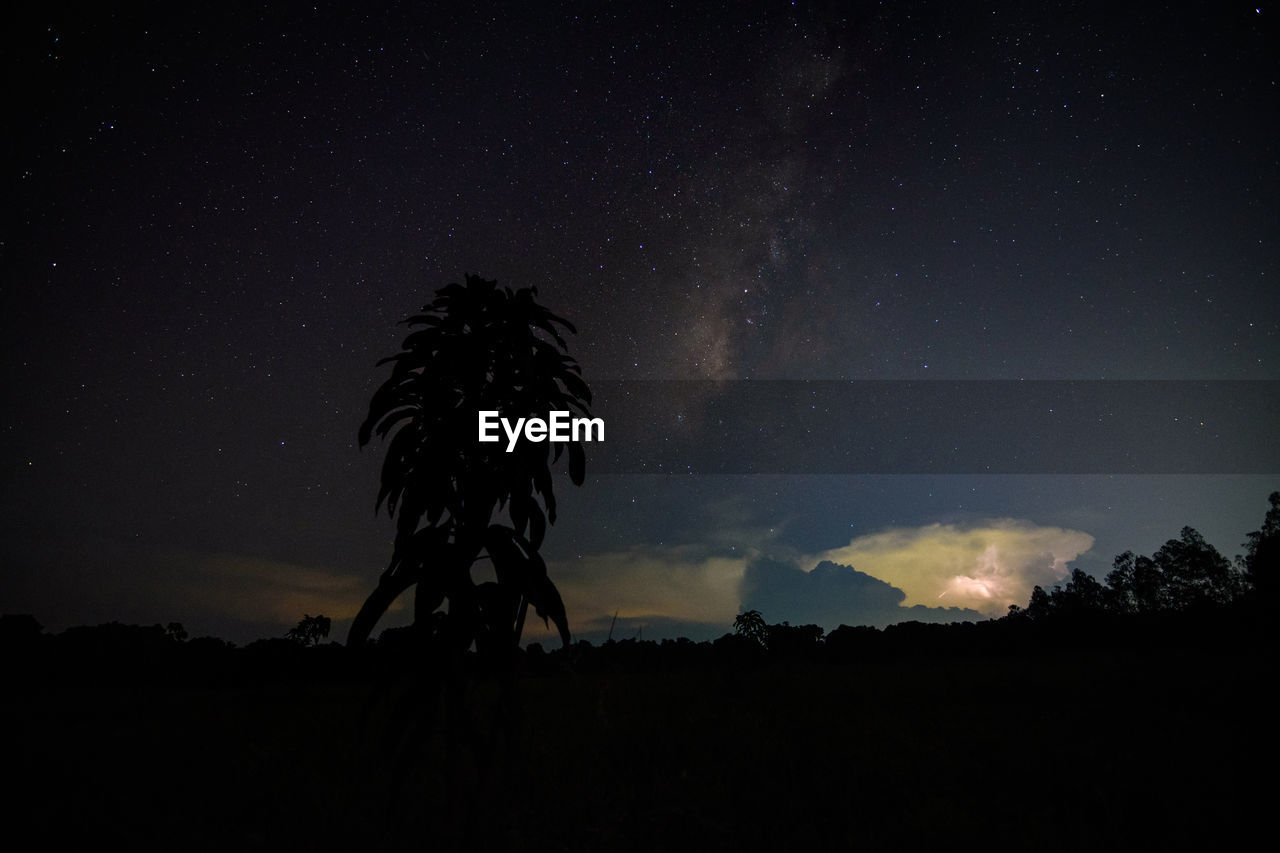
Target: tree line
point(1186, 574)
point(1186, 591)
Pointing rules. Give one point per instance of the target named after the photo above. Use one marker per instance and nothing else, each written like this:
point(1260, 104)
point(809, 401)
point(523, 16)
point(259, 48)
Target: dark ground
point(1151, 749)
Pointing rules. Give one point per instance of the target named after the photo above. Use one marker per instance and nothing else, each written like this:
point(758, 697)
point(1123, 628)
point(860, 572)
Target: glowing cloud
point(985, 567)
point(938, 572)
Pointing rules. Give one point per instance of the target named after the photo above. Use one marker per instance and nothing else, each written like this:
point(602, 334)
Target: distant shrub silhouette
point(309, 631)
point(794, 640)
point(751, 625)
point(847, 642)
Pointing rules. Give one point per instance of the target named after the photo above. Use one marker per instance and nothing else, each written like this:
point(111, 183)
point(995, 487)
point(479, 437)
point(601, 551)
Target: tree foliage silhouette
point(1081, 594)
point(751, 625)
point(1185, 574)
point(1261, 561)
point(793, 640)
point(309, 631)
point(1194, 573)
point(1135, 585)
point(474, 347)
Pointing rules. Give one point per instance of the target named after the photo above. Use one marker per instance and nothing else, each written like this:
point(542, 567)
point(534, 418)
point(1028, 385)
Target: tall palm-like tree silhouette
point(475, 347)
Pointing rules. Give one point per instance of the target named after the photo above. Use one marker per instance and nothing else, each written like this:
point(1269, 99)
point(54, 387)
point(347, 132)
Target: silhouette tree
point(752, 626)
point(1082, 594)
point(1040, 605)
point(309, 631)
point(1134, 585)
point(1194, 574)
point(1186, 573)
point(793, 640)
point(475, 347)
point(1261, 561)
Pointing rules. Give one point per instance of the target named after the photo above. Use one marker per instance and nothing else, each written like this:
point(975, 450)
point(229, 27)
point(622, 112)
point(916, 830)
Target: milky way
point(216, 217)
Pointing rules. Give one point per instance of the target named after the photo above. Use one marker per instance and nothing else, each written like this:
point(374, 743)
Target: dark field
point(1062, 750)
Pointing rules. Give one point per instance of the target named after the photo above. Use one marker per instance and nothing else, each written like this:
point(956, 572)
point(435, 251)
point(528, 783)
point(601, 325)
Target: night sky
point(216, 214)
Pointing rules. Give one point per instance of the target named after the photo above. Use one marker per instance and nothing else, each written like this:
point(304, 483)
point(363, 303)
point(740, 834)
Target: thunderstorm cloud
point(985, 567)
point(831, 595)
point(933, 573)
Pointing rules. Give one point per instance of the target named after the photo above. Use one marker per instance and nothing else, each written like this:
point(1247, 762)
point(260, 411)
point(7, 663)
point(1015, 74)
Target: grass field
point(1070, 751)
